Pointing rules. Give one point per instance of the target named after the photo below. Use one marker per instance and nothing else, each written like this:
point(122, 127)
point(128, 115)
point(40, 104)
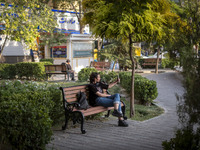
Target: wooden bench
point(150, 62)
point(56, 69)
point(100, 66)
point(77, 116)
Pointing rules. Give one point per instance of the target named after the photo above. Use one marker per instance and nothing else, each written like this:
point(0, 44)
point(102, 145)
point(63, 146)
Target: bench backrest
point(69, 93)
point(151, 60)
point(101, 64)
point(49, 68)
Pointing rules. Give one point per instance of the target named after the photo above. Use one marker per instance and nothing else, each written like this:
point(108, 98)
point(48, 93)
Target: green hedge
point(84, 74)
point(145, 90)
point(28, 111)
point(167, 63)
point(23, 70)
point(185, 138)
point(7, 71)
point(50, 60)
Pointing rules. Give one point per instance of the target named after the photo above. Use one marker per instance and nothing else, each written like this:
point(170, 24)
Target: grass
point(141, 112)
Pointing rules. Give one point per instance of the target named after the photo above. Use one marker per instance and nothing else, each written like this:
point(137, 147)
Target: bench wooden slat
point(75, 91)
point(75, 88)
point(74, 99)
point(95, 110)
point(101, 66)
point(153, 64)
point(150, 61)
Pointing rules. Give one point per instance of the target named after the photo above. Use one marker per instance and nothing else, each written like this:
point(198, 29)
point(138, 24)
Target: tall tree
point(129, 20)
point(24, 20)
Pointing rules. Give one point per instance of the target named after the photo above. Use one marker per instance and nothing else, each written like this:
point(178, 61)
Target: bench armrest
point(72, 105)
point(75, 104)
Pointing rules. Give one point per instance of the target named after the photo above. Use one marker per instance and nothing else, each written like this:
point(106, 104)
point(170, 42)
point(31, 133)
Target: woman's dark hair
point(93, 76)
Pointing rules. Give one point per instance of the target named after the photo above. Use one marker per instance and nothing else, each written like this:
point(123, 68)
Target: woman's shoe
point(122, 123)
point(116, 113)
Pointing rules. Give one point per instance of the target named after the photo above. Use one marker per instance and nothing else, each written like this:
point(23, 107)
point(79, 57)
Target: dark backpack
point(81, 97)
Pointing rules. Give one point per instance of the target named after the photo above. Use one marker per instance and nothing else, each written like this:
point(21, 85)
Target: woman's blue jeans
point(109, 101)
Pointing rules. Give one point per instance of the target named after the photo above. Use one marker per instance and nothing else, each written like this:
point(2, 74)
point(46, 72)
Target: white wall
point(14, 48)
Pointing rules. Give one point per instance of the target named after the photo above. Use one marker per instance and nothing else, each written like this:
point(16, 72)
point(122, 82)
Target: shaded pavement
point(146, 135)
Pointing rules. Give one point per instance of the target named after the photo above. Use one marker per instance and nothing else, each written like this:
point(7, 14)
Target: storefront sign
point(82, 54)
point(60, 51)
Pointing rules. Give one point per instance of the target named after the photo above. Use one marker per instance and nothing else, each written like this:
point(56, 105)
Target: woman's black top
point(93, 89)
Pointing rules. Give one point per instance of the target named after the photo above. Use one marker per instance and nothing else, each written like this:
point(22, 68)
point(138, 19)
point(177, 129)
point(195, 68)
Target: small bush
point(7, 71)
point(24, 70)
point(185, 139)
point(84, 74)
point(145, 90)
point(30, 70)
point(167, 63)
point(25, 120)
point(108, 77)
point(50, 60)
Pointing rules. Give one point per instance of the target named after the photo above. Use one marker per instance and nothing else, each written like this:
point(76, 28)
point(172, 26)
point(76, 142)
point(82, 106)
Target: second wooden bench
point(56, 69)
point(150, 62)
point(100, 66)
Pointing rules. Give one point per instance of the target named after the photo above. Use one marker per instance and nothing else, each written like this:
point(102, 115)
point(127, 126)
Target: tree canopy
point(24, 20)
point(129, 20)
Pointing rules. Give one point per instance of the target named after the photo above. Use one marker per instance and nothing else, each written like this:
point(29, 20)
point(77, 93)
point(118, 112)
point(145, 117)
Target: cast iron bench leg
point(82, 123)
point(108, 114)
point(66, 121)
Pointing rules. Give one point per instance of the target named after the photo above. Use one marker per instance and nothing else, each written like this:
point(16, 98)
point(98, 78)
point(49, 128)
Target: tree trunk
point(81, 26)
point(157, 61)
point(132, 107)
point(99, 43)
point(80, 17)
point(4, 43)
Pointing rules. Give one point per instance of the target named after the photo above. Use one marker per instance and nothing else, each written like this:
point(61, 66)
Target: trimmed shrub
point(145, 90)
point(167, 63)
point(25, 121)
point(7, 71)
point(50, 60)
point(31, 70)
point(24, 70)
point(84, 74)
point(108, 77)
point(185, 139)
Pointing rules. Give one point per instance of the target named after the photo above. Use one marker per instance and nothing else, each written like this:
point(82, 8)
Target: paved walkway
point(146, 135)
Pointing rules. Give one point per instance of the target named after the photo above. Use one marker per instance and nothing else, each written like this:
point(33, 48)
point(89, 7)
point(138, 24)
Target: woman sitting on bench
point(98, 98)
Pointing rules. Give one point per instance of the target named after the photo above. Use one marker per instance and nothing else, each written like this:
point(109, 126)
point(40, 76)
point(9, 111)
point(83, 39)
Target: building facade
point(78, 47)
